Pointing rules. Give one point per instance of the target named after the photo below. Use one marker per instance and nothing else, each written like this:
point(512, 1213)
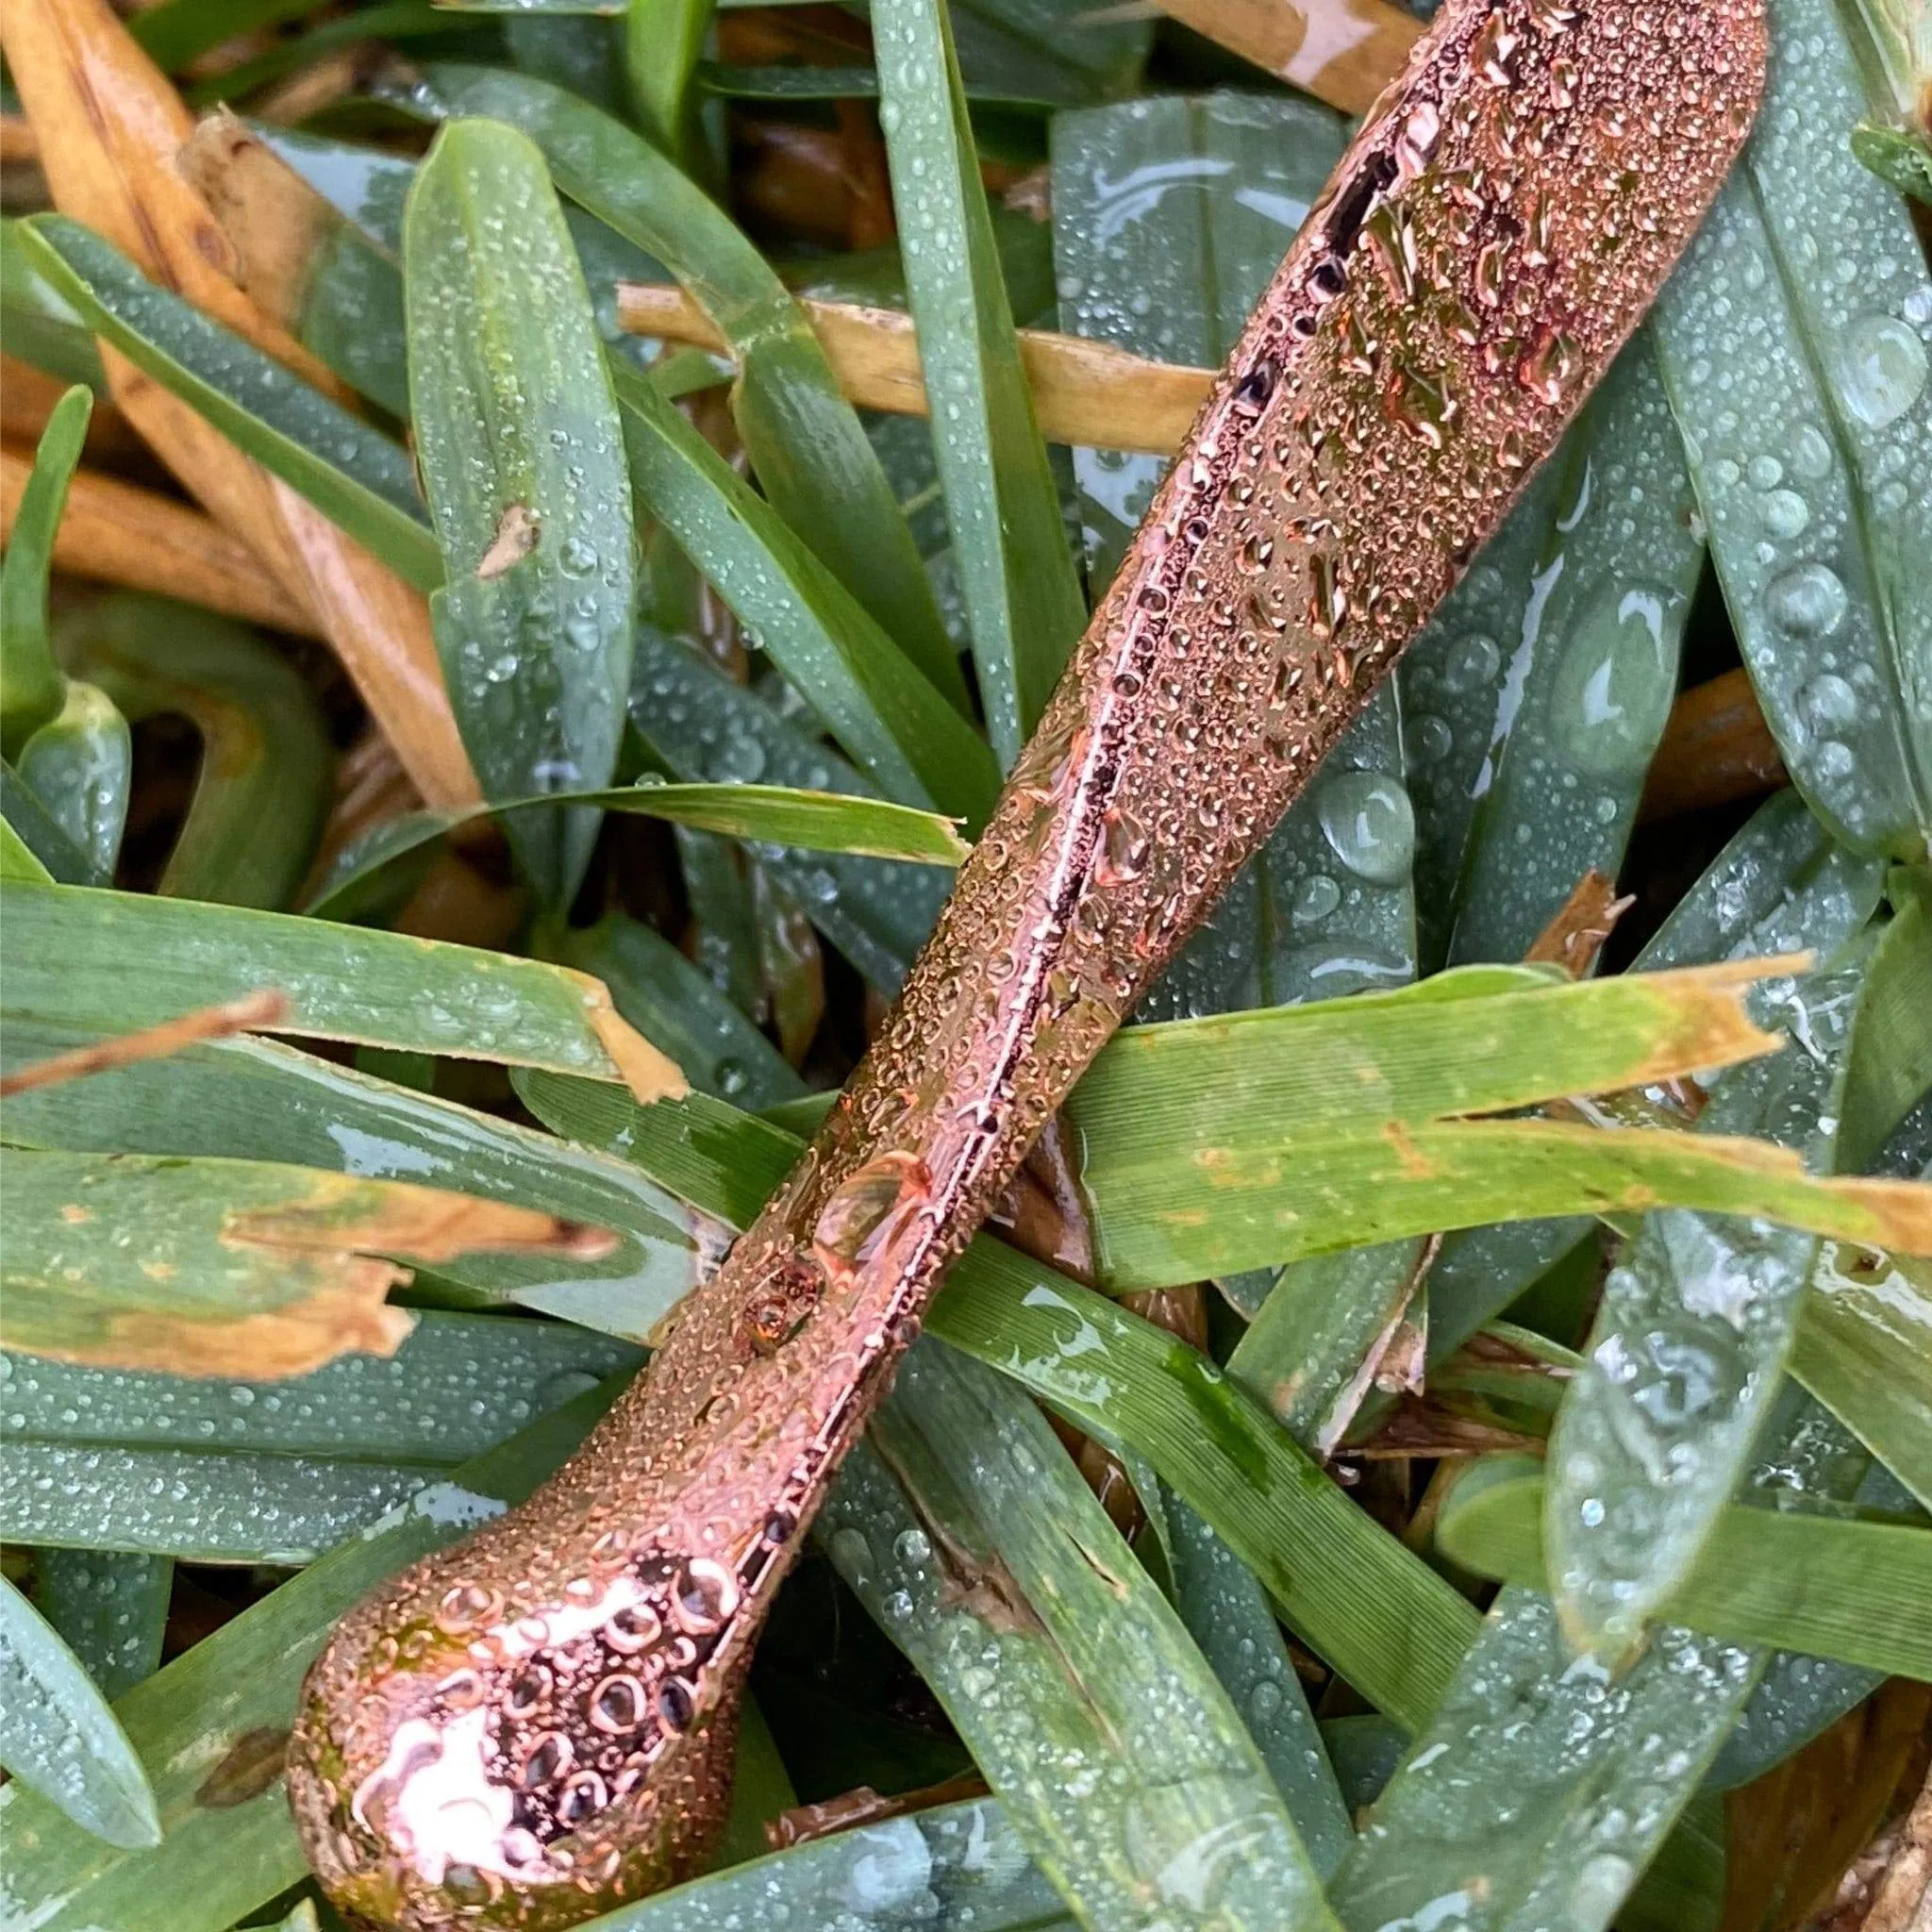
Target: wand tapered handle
point(537, 1725)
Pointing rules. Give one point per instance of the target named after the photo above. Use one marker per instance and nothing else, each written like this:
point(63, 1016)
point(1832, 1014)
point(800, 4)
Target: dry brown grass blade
point(110, 127)
point(255, 1012)
point(1585, 920)
point(1083, 393)
point(117, 533)
point(1344, 51)
point(1716, 749)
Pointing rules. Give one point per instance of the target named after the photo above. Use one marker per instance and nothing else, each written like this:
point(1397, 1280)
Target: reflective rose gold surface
point(538, 1724)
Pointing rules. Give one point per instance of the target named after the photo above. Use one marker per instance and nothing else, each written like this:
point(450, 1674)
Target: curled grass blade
point(1022, 592)
point(262, 789)
point(81, 766)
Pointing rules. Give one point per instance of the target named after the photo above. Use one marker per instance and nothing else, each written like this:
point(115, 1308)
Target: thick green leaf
point(1022, 592)
point(895, 724)
point(523, 459)
point(1889, 1068)
point(110, 1607)
point(802, 436)
point(360, 481)
point(1829, 1586)
point(256, 1099)
point(1794, 340)
point(58, 1737)
point(31, 686)
point(35, 850)
point(117, 961)
point(668, 1000)
point(1054, 1653)
point(264, 785)
point(219, 1471)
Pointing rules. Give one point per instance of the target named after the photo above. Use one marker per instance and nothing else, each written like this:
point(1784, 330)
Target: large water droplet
point(1785, 514)
point(1612, 687)
point(1472, 662)
point(1880, 369)
point(1368, 820)
point(1828, 703)
point(1808, 602)
point(865, 1209)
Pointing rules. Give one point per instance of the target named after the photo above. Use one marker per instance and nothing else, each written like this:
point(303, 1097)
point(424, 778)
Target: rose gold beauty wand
point(538, 1724)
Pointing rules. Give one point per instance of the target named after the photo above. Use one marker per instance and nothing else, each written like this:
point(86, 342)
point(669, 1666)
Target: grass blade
point(1022, 592)
point(199, 1267)
point(31, 686)
point(1803, 460)
point(662, 41)
point(706, 728)
point(122, 960)
point(218, 1470)
point(905, 736)
point(1086, 1659)
point(804, 441)
point(262, 791)
point(522, 459)
point(354, 475)
point(110, 1607)
point(1827, 1586)
point(81, 766)
point(257, 1099)
point(662, 995)
point(58, 1737)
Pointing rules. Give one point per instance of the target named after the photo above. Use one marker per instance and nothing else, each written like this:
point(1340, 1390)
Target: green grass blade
point(1541, 1789)
point(1227, 1613)
point(523, 459)
point(705, 726)
point(257, 1099)
point(668, 1001)
point(1022, 592)
point(1864, 1348)
point(173, 32)
point(662, 41)
point(43, 330)
point(1587, 690)
point(58, 1737)
point(354, 475)
point(221, 1471)
point(1805, 459)
point(804, 438)
point(110, 1606)
point(952, 1867)
point(1045, 1638)
point(1890, 1065)
point(122, 960)
point(891, 721)
point(213, 1722)
point(36, 850)
point(31, 685)
point(265, 782)
point(1831, 1587)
